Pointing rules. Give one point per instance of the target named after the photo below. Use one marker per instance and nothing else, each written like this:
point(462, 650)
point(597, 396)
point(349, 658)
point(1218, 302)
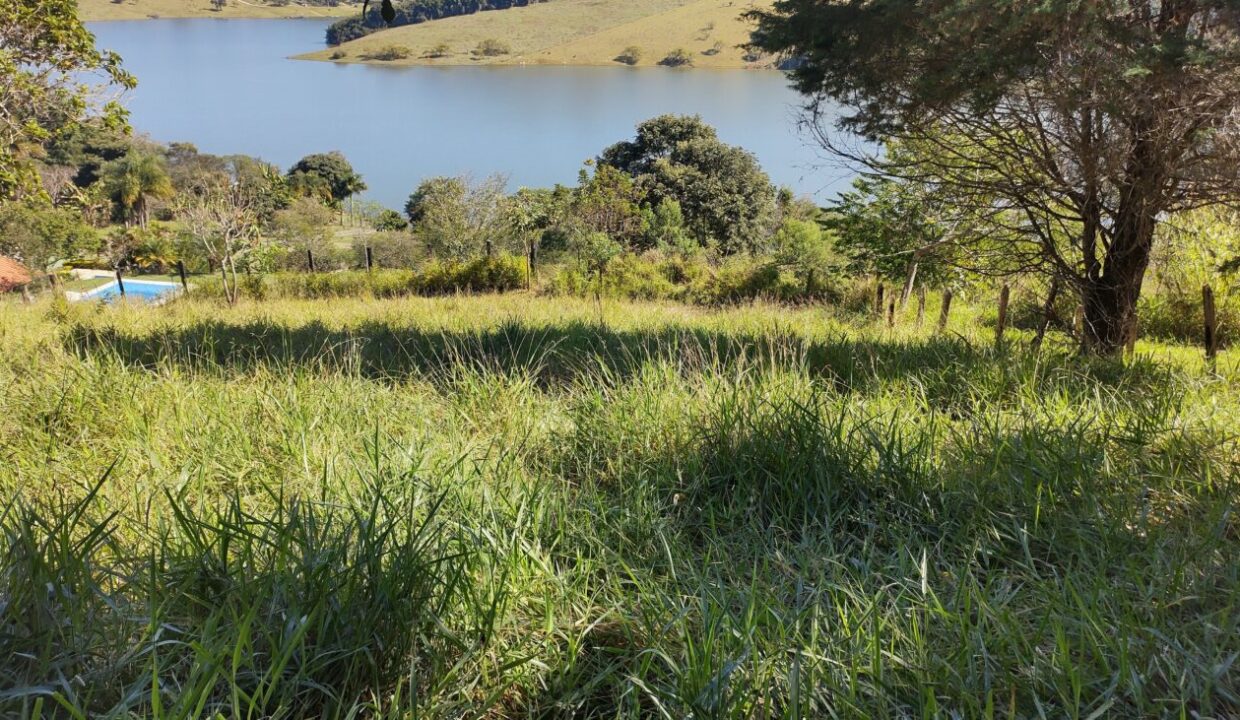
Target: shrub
point(502, 273)
point(389, 250)
point(631, 55)
point(390, 221)
point(439, 51)
point(677, 58)
point(1180, 317)
point(741, 279)
point(339, 54)
point(492, 48)
point(389, 53)
point(713, 49)
point(628, 276)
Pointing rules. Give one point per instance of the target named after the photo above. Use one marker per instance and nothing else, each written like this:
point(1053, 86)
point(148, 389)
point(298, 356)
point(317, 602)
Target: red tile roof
point(12, 274)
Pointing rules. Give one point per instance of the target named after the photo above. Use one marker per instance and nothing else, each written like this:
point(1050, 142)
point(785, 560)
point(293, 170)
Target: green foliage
point(803, 247)
point(390, 221)
point(881, 224)
point(155, 250)
point(40, 235)
point(627, 276)
point(327, 176)
point(630, 56)
point(608, 202)
point(492, 47)
point(134, 181)
point(305, 225)
point(501, 273)
point(679, 57)
point(389, 53)
point(389, 250)
point(1014, 112)
point(664, 230)
point(441, 50)
point(722, 191)
point(428, 193)
point(1194, 249)
point(594, 250)
point(86, 147)
point(691, 280)
point(47, 60)
point(744, 279)
point(458, 219)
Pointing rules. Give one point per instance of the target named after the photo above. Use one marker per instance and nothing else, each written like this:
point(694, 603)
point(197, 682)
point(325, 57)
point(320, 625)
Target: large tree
point(459, 219)
point(47, 58)
point(328, 175)
point(722, 191)
point(1071, 127)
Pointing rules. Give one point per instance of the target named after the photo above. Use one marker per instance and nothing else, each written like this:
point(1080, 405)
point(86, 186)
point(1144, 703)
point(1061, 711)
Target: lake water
point(228, 86)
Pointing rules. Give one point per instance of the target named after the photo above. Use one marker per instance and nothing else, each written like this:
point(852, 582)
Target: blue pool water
point(145, 291)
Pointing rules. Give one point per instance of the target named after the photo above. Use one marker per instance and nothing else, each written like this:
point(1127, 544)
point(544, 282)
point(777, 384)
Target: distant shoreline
point(128, 10)
point(673, 34)
point(700, 34)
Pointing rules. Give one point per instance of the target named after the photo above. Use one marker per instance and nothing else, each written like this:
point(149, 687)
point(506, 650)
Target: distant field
point(572, 32)
point(96, 10)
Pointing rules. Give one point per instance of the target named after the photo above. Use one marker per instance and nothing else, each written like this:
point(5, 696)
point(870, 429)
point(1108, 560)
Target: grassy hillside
point(569, 32)
point(96, 10)
point(515, 507)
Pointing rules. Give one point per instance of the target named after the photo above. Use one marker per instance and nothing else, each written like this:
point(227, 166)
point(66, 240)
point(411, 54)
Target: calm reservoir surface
point(228, 86)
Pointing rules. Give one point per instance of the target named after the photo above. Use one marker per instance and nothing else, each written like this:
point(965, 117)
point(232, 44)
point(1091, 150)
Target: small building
point(13, 275)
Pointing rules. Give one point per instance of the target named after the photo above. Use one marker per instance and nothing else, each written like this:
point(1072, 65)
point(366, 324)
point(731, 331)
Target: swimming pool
point(148, 291)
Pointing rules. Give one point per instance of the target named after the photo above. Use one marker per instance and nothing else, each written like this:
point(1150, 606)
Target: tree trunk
point(229, 291)
point(909, 280)
point(1110, 300)
point(1110, 293)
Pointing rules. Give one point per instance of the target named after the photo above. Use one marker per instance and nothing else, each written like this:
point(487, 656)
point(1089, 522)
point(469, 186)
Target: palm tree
point(131, 181)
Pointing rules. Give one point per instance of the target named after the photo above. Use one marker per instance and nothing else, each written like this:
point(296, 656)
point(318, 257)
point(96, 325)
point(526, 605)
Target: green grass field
point(508, 507)
point(571, 32)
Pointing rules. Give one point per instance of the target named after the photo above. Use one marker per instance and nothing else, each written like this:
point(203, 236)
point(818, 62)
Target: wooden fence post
point(878, 300)
point(1211, 322)
point(181, 272)
point(120, 282)
point(370, 260)
point(310, 259)
point(921, 304)
point(891, 313)
point(1004, 296)
point(945, 310)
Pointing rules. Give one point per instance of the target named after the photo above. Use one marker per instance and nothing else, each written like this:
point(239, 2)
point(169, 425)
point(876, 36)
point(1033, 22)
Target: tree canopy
point(722, 191)
point(327, 174)
point(1070, 127)
point(46, 59)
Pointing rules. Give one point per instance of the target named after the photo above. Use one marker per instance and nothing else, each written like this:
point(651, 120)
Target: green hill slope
point(705, 33)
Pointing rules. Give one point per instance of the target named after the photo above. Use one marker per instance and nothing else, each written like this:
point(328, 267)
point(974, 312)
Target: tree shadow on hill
point(943, 366)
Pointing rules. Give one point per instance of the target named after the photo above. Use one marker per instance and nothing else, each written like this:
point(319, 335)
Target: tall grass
point(518, 507)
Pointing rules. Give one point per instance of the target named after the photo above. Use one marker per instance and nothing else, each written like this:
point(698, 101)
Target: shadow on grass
point(944, 366)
